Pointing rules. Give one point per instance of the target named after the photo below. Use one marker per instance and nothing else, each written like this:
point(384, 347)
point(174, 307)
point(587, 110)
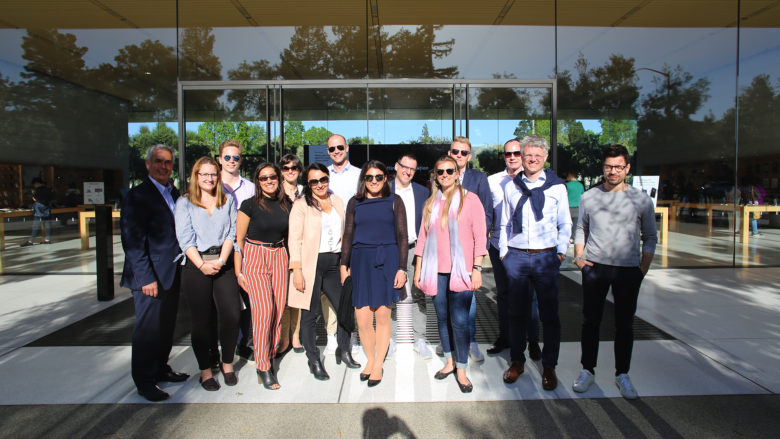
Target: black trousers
point(155, 320)
point(327, 280)
point(205, 295)
point(625, 283)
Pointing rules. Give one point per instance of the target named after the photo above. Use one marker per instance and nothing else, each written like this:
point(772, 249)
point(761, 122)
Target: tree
point(316, 136)
point(491, 159)
point(619, 131)
point(198, 62)
point(252, 136)
point(293, 136)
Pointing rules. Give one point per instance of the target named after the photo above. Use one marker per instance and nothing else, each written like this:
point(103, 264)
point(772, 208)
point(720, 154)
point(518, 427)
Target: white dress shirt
point(497, 182)
point(407, 195)
point(554, 230)
point(344, 183)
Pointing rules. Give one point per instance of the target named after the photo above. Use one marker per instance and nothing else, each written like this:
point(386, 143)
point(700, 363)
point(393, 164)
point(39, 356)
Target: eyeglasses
point(508, 154)
point(449, 171)
point(534, 156)
point(406, 168)
point(333, 148)
point(264, 178)
point(372, 177)
point(618, 168)
point(462, 152)
point(289, 168)
point(205, 175)
point(234, 157)
point(314, 182)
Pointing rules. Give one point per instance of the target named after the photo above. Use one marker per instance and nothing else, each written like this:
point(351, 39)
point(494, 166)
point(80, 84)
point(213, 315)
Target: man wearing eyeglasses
point(343, 176)
point(533, 238)
point(413, 196)
point(614, 218)
point(498, 181)
point(473, 181)
point(240, 189)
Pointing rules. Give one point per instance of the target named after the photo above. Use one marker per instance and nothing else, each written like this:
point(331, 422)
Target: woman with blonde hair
point(450, 248)
point(206, 228)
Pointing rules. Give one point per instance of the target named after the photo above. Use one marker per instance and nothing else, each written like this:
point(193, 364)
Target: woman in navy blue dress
point(374, 252)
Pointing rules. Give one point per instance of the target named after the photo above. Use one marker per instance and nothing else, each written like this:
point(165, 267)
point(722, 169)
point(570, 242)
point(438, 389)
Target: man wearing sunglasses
point(240, 189)
point(533, 238)
point(498, 181)
point(343, 176)
point(614, 218)
point(413, 196)
point(473, 181)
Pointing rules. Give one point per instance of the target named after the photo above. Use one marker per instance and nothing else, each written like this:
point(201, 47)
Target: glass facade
point(691, 88)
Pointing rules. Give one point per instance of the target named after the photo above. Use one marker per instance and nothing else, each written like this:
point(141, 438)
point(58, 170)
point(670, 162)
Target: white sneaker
point(390, 349)
point(353, 341)
point(475, 354)
point(421, 347)
point(332, 344)
point(439, 350)
point(584, 382)
point(623, 383)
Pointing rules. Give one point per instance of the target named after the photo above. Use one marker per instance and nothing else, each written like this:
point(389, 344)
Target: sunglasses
point(234, 157)
point(449, 171)
point(314, 182)
point(264, 178)
point(377, 177)
point(508, 154)
point(289, 168)
point(333, 148)
point(461, 152)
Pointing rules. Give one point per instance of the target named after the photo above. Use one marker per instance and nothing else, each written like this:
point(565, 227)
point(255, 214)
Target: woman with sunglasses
point(261, 265)
point(291, 318)
point(450, 248)
point(206, 228)
point(374, 253)
point(316, 227)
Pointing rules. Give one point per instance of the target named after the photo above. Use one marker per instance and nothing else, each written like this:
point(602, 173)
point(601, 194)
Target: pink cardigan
point(471, 231)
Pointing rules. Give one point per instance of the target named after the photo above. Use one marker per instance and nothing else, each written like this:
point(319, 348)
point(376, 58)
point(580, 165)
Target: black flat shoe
point(346, 357)
point(316, 369)
point(373, 383)
point(267, 379)
point(441, 375)
point(210, 384)
point(231, 379)
point(464, 388)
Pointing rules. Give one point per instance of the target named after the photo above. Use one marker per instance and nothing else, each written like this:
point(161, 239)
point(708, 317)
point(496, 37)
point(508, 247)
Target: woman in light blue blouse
point(206, 230)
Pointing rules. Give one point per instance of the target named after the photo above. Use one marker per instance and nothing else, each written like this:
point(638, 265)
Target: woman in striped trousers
point(262, 264)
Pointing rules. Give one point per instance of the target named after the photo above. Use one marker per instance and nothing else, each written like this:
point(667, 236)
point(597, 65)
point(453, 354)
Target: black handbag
point(346, 312)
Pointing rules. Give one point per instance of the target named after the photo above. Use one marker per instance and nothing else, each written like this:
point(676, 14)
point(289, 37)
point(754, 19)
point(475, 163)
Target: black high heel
point(267, 379)
point(372, 383)
point(346, 357)
point(316, 369)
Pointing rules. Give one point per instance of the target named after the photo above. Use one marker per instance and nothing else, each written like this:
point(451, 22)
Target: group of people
point(263, 259)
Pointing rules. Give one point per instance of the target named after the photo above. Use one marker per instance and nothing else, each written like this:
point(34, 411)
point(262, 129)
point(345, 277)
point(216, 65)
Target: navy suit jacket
point(477, 182)
point(148, 238)
point(421, 193)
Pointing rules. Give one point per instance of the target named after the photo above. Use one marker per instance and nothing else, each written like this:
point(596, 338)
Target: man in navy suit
point(477, 182)
point(413, 196)
point(150, 245)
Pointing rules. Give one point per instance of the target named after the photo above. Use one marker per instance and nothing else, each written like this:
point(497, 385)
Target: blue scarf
point(536, 195)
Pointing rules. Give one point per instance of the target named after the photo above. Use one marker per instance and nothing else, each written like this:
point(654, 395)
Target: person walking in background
point(614, 218)
point(291, 168)
point(238, 187)
point(206, 230)
point(150, 246)
point(574, 189)
point(476, 182)
point(374, 253)
point(452, 243)
point(261, 264)
point(315, 234)
point(42, 199)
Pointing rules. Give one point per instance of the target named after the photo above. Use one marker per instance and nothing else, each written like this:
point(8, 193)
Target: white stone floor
point(726, 321)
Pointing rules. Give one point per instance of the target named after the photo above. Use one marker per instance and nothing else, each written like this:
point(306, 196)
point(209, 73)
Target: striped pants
point(266, 272)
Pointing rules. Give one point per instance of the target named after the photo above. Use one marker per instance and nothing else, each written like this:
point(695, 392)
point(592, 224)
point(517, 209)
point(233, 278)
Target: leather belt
point(212, 251)
point(412, 245)
point(534, 250)
point(267, 244)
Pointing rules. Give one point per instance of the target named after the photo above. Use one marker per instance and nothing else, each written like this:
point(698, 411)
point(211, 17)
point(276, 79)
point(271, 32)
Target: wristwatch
point(477, 267)
point(221, 261)
point(578, 258)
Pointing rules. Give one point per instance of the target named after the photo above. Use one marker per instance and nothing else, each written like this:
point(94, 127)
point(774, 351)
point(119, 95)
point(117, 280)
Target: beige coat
point(304, 245)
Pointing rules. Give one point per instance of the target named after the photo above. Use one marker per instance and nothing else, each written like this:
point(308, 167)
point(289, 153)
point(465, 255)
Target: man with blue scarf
point(533, 238)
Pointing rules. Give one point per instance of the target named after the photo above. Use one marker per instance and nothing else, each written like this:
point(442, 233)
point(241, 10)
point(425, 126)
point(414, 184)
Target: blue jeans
point(526, 273)
point(452, 314)
point(499, 274)
point(36, 227)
